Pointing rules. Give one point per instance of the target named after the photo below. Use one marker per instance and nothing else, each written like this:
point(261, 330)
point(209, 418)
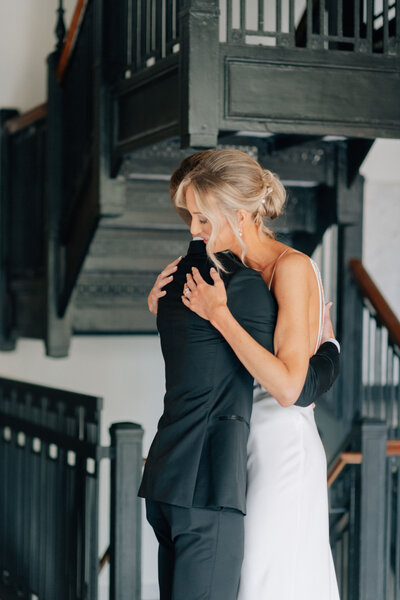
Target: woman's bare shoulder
point(293, 269)
point(293, 259)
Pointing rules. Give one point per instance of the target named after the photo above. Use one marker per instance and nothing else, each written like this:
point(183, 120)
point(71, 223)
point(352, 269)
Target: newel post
point(373, 510)
point(199, 73)
point(125, 509)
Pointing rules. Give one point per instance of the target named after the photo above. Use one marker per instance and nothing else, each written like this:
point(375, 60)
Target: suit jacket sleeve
point(322, 372)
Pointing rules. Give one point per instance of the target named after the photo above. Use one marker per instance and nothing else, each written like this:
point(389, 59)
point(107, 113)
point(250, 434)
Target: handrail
point(105, 559)
point(72, 36)
point(381, 309)
point(355, 458)
point(25, 119)
point(345, 458)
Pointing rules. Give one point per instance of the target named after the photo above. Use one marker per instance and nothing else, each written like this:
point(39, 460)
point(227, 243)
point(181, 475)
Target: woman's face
point(201, 227)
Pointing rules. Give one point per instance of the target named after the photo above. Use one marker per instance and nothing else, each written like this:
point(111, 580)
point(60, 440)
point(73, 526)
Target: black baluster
point(60, 27)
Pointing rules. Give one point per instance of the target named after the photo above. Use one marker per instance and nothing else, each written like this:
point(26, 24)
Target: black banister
point(373, 510)
point(126, 521)
point(49, 499)
point(50, 456)
point(365, 513)
point(380, 390)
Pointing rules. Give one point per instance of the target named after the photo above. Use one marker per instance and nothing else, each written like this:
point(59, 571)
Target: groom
point(194, 481)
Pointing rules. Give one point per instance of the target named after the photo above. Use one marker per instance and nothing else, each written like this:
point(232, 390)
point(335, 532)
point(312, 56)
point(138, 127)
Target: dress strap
point(273, 270)
point(321, 303)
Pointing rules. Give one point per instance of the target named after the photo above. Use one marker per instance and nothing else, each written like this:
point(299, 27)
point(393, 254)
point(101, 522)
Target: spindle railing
point(150, 29)
point(147, 32)
point(50, 456)
point(364, 480)
point(366, 27)
point(381, 354)
point(365, 474)
point(49, 500)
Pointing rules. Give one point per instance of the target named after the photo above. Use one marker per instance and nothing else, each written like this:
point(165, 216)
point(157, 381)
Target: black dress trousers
point(200, 551)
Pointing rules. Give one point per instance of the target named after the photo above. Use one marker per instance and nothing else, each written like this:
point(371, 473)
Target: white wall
point(127, 371)
point(26, 38)
point(381, 249)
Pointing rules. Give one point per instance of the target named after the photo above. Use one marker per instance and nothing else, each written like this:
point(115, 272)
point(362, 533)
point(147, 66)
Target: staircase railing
point(150, 31)
point(22, 224)
point(142, 33)
point(381, 354)
point(50, 456)
point(73, 130)
point(50, 214)
point(365, 473)
point(365, 514)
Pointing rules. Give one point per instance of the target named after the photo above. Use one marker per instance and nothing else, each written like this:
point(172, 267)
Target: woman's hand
point(157, 292)
point(202, 298)
point(327, 329)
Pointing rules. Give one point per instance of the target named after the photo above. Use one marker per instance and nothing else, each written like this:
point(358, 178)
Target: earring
point(240, 232)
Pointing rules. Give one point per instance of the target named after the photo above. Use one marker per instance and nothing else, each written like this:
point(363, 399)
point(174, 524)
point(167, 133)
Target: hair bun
point(275, 195)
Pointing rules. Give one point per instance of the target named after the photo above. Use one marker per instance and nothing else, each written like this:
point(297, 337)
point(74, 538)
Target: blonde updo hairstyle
point(225, 181)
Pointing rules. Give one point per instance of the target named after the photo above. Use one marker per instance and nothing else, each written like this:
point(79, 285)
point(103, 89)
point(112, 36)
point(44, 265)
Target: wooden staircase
point(85, 215)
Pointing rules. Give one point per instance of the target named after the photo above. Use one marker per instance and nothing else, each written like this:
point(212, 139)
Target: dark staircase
point(130, 93)
point(86, 221)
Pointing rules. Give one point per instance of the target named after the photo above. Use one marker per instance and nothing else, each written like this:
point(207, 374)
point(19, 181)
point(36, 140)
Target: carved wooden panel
point(147, 109)
point(310, 92)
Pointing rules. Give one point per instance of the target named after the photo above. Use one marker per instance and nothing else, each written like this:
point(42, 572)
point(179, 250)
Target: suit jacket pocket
point(233, 418)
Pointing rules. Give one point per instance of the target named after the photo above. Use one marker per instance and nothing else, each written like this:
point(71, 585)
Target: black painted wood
point(364, 516)
point(252, 76)
point(373, 510)
point(79, 209)
point(60, 27)
point(146, 108)
point(260, 84)
point(126, 512)
point(48, 505)
point(23, 239)
point(129, 251)
point(58, 328)
point(199, 94)
point(7, 335)
point(350, 313)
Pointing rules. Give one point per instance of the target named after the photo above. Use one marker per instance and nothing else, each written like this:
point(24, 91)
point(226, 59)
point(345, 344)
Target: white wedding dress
point(287, 555)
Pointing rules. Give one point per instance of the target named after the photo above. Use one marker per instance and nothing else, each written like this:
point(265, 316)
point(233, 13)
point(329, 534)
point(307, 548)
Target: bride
point(287, 553)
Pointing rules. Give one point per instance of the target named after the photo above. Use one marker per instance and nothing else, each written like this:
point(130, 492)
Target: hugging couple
point(235, 481)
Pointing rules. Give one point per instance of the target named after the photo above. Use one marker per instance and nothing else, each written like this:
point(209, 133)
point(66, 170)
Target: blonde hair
point(225, 181)
point(187, 165)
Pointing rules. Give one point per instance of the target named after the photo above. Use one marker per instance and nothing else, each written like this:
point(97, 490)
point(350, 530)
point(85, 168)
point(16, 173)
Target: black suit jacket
point(198, 456)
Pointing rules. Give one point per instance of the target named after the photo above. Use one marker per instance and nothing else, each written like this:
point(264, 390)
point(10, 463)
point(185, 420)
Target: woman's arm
point(283, 375)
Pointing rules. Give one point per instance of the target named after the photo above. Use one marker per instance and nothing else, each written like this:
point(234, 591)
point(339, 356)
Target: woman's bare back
point(316, 299)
